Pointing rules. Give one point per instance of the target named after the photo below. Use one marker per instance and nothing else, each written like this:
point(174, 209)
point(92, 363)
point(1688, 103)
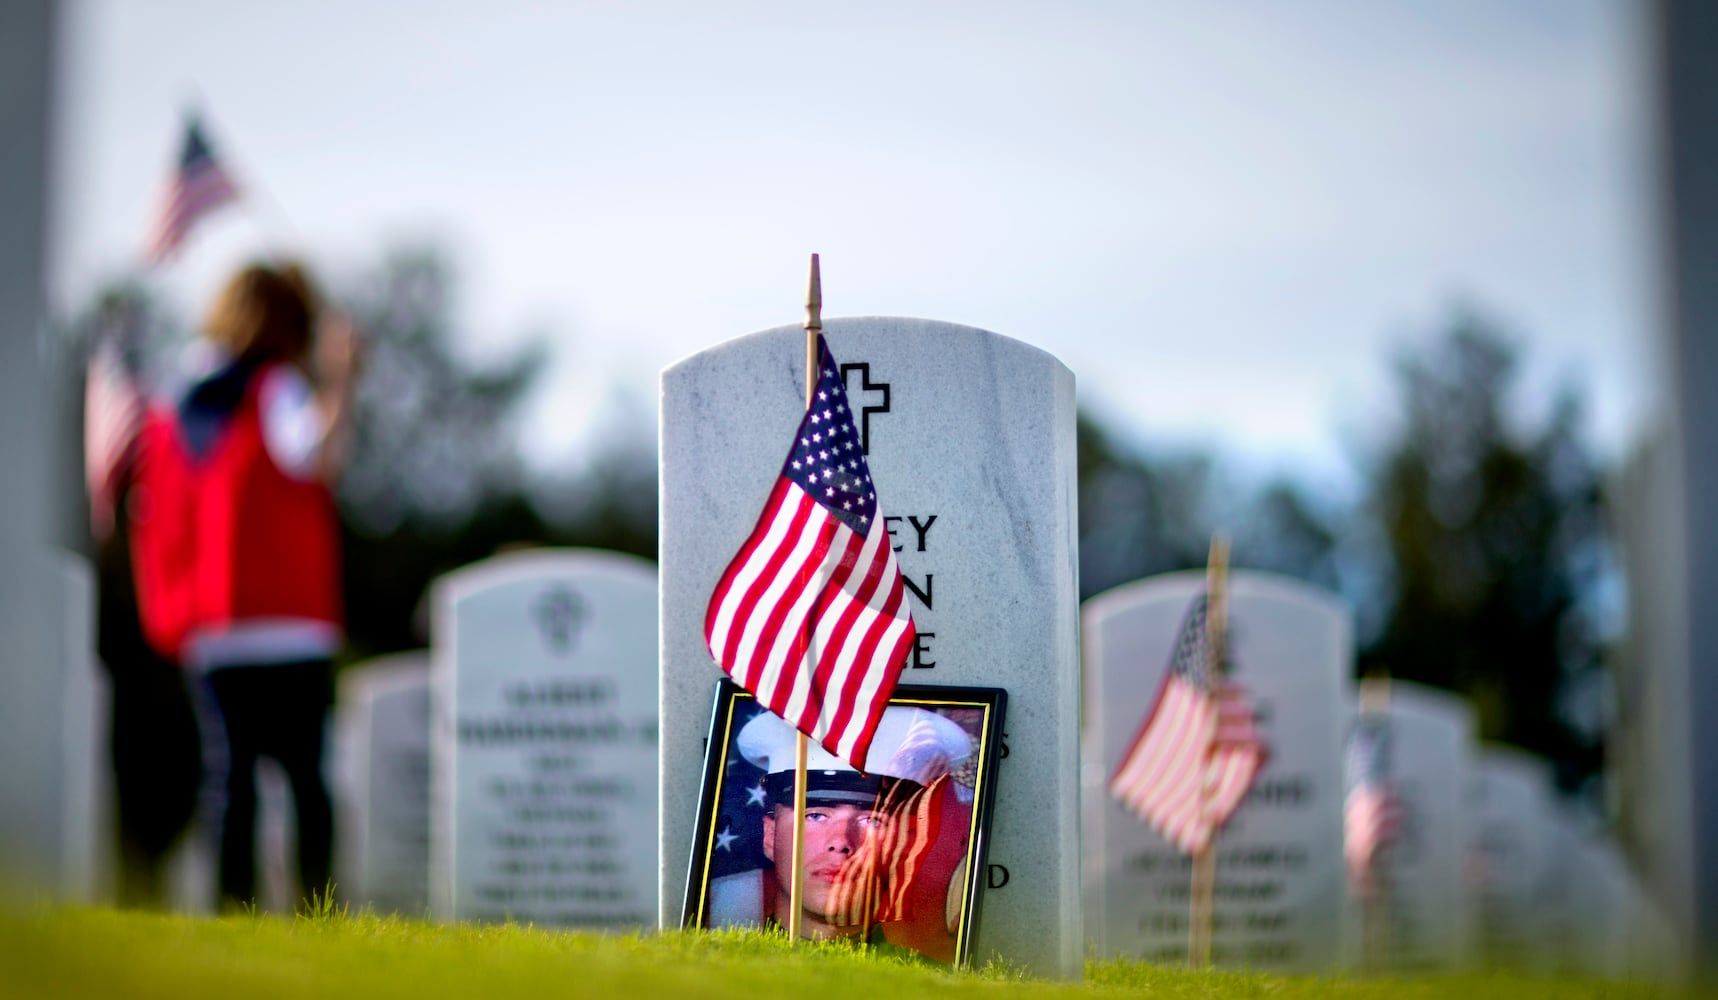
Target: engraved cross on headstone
point(857, 398)
point(559, 613)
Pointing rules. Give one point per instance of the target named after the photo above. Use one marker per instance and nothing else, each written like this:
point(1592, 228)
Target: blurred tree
point(1144, 513)
point(1138, 516)
point(435, 479)
point(1495, 552)
point(1282, 530)
point(434, 439)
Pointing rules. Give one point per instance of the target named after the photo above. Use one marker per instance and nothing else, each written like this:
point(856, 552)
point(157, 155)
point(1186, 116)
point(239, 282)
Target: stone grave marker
point(383, 787)
point(1601, 926)
point(74, 743)
point(1606, 911)
point(1279, 898)
point(1509, 858)
point(1424, 904)
point(55, 823)
point(544, 740)
point(970, 439)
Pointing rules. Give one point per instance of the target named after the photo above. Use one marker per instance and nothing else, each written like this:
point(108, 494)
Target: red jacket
point(227, 536)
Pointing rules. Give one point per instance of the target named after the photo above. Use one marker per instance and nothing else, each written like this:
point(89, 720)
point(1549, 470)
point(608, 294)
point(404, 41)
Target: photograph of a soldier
point(886, 851)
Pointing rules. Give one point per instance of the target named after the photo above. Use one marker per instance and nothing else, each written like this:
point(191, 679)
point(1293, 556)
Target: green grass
point(56, 951)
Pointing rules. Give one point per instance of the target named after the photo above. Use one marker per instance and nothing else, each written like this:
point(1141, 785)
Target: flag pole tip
point(813, 297)
point(1375, 693)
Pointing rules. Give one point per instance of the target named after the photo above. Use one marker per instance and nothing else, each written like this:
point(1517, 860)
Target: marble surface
point(383, 783)
point(971, 445)
point(1428, 899)
point(544, 740)
point(1280, 894)
point(1510, 855)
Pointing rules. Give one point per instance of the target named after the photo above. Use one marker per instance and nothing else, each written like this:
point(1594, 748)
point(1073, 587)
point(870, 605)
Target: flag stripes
point(914, 831)
point(199, 186)
point(1371, 812)
point(1197, 751)
point(876, 883)
point(113, 418)
point(811, 615)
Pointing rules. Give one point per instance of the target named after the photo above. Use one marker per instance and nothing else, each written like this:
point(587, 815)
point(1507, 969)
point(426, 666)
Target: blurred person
point(153, 741)
point(236, 548)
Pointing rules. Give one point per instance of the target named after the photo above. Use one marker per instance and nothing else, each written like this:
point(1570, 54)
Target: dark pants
point(154, 743)
point(157, 760)
point(277, 711)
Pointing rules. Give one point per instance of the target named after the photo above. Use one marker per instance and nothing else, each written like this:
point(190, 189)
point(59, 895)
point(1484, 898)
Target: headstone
point(383, 784)
point(85, 840)
point(276, 840)
point(1279, 897)
point(53, 824)
point(544, 740)
point(1605, 914)
point(1423, 900)
point(1508, 797)
point(33, 615)
point(1686, 79)
point(1566, 886)
point(1603, 925)
point(970, 439)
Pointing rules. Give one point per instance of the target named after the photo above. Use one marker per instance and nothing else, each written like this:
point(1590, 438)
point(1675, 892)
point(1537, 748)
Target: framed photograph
point(895, 857)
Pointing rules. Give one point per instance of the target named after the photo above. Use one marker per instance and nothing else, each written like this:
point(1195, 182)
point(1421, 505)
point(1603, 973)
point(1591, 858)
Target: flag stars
point(755, 795)
point(725, 840)
point(824, 395)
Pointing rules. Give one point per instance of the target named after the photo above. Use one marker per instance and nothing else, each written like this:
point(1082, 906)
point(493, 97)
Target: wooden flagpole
point(1203, 889)
point(802, 748)
point(1375, 916)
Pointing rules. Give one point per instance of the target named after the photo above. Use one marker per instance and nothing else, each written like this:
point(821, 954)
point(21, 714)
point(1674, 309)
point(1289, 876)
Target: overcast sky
point(1218, 215)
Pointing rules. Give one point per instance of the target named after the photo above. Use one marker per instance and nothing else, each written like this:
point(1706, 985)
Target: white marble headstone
point(1509, 858)
point(55, 833)
point(78, 732)
point(1279, 899)
point(544, 741)
point(1424, 903)
point(1606, 911)
point(970, 441)
point(384, 783)
point(1600, 924)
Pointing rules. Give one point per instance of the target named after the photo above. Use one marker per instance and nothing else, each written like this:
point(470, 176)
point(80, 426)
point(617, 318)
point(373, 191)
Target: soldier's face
point(832, 834)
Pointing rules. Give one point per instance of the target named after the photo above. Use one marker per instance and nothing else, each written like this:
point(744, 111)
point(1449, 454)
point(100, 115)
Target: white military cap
point(910, 744)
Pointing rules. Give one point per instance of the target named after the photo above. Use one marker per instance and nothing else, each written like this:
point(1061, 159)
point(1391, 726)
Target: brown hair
point(264, 314)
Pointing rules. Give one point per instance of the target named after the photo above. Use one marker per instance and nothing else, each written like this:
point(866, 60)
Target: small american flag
point(114, 408)
point(876, 883)
point(1371, 815)
point(1197, 751)
point(199, 186)
point(810, 615)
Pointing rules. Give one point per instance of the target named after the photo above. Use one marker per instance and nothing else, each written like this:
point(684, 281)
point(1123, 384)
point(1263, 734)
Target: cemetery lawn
point(56, 951)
